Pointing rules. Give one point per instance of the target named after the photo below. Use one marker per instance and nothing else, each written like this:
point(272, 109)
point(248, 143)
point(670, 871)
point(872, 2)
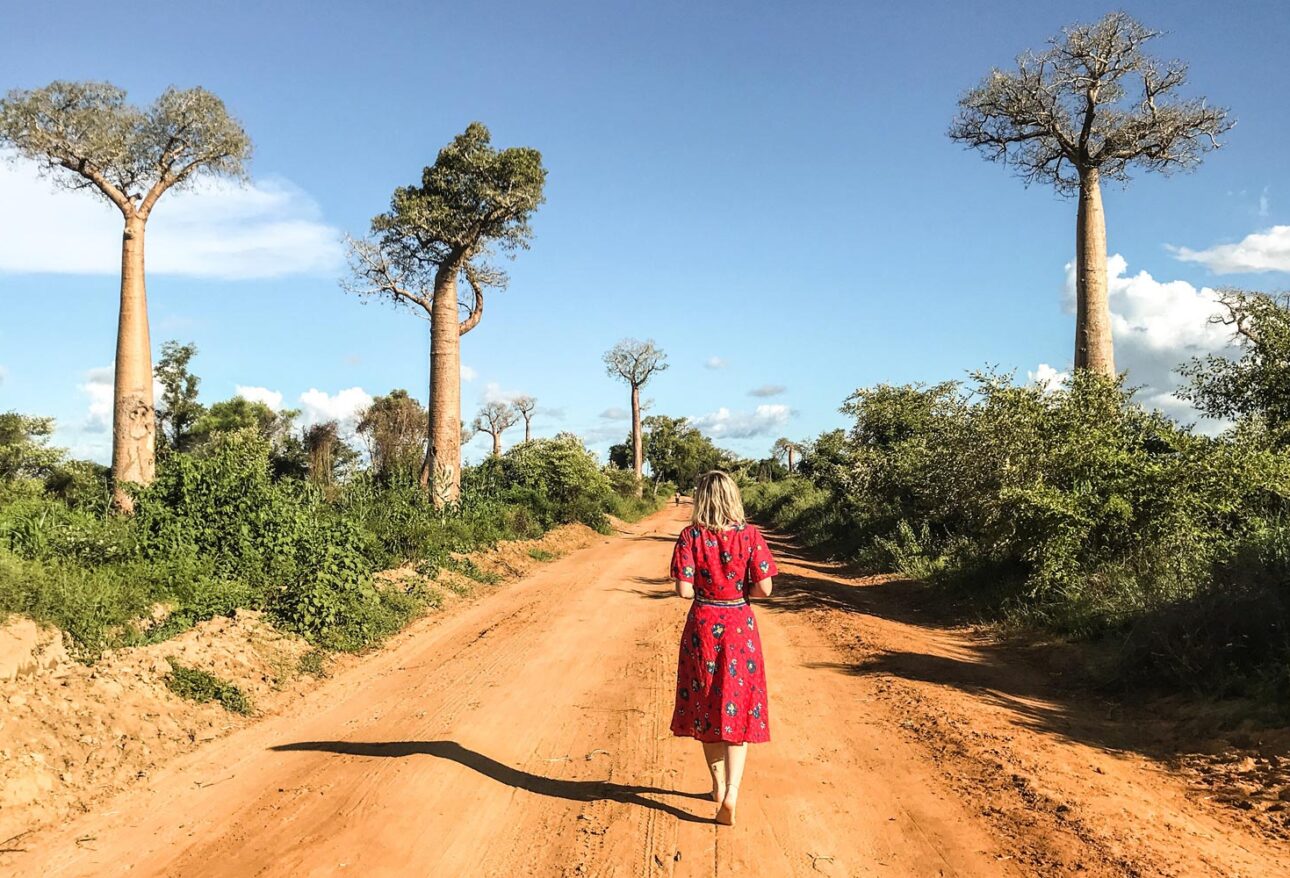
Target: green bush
point(1072, 509)
point(202, 686)
point(557, 479)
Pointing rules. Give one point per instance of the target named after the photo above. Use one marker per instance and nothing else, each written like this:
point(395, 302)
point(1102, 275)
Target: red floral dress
point(720, 675)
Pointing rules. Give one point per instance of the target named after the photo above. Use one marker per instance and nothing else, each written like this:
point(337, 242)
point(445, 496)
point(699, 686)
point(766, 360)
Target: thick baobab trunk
point(441, 471)
point(638, 457)
point(497, 444)
point(790, 460)
point(528, 430)
point(1093, 344)
point(133, 416)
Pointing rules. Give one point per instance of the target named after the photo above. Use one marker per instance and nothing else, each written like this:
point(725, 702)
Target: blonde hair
point(717, 504)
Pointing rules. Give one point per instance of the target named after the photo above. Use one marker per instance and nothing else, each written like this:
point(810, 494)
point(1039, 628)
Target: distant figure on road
point(720, 560)
point(678, 498)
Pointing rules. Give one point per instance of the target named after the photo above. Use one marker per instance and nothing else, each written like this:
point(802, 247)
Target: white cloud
point(217, 229)
point(715, 363)
point(615, 413)
point(1256, 252)
point(271, 398)
point(1157, 326)
point(317, 406)
point(98, 387)
point(726, 424)
point(767, 390)
point(493, 393)
point(1265, 204)
point(1047, 377)
point(468, 374)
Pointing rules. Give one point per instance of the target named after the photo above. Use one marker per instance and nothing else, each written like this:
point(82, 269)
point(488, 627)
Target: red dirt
point(526, 734)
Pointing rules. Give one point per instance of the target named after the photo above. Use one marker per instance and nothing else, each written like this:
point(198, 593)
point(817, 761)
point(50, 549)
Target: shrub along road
point(527, 734)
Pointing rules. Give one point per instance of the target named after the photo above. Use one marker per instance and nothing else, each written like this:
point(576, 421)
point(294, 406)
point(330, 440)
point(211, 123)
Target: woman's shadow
point(572, 790)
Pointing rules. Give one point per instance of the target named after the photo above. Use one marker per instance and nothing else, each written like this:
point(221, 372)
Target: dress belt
point(709, 602)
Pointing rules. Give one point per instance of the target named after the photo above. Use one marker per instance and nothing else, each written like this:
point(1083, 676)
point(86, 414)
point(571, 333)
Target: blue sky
point(762, 187)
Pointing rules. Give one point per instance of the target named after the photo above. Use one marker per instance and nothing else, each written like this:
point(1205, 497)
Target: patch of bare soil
point(71, 733)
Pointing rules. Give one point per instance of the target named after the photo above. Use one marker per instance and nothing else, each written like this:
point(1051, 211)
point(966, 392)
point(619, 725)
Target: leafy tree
point(240, 413)
point(24, 447)
point(494, 419)
point(474, 199)
point(525, 406)
point(1257, 384)
point(394, 428)
point(677, 452)
point(86, 136)
point(329, 455)
point(635, 362)
point(179, 409)
point(1089, 108)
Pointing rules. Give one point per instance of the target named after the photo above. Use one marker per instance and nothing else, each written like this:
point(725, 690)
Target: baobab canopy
point(1092, 99)
point(88, 137)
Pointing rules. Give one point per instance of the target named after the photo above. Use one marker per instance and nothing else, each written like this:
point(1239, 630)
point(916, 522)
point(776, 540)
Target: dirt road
point(527, 734)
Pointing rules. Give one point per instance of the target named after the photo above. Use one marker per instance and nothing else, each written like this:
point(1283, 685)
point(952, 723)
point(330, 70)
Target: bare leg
point(736, 755)
point(715, 755)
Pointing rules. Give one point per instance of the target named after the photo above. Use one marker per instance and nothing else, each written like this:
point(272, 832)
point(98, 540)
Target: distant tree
point(494, 419)
point(620, 454)
point(330, 456)
point(179, 409)
point(474, 198)
point(785, 449)
point(767, 469)
point(394, 428)
point(635, 362)
point(86, 136)
point(1257, 384)
point(677, 452)
point(24, 447)
point(525, 406)
point(1089, 108)
point(240, 413)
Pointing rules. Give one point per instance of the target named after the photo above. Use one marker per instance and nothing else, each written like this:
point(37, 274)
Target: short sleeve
point(761, 564)
point(683, 560)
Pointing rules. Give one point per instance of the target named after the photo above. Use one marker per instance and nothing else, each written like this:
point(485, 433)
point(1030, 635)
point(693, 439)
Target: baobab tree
point(525, 406)
point(494, 419)
point(785, 449)
point(635, 362)
point(1089, 108)
point(85, 136)
point(473, 200)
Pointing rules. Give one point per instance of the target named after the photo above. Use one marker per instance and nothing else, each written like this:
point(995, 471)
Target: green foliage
point(81, 484)
point(1075, 509)
point(558, 479)
point(1256, 386)
point(203, 686)
point(471, 570)
point(677, 452)
point(471, 196)
point(85, 131)
point(178, 410)
point(241, 414)
point(395, 429)
point(24, 447)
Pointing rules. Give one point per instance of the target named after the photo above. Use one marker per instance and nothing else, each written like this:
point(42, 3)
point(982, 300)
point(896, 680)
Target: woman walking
point(719, 561)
